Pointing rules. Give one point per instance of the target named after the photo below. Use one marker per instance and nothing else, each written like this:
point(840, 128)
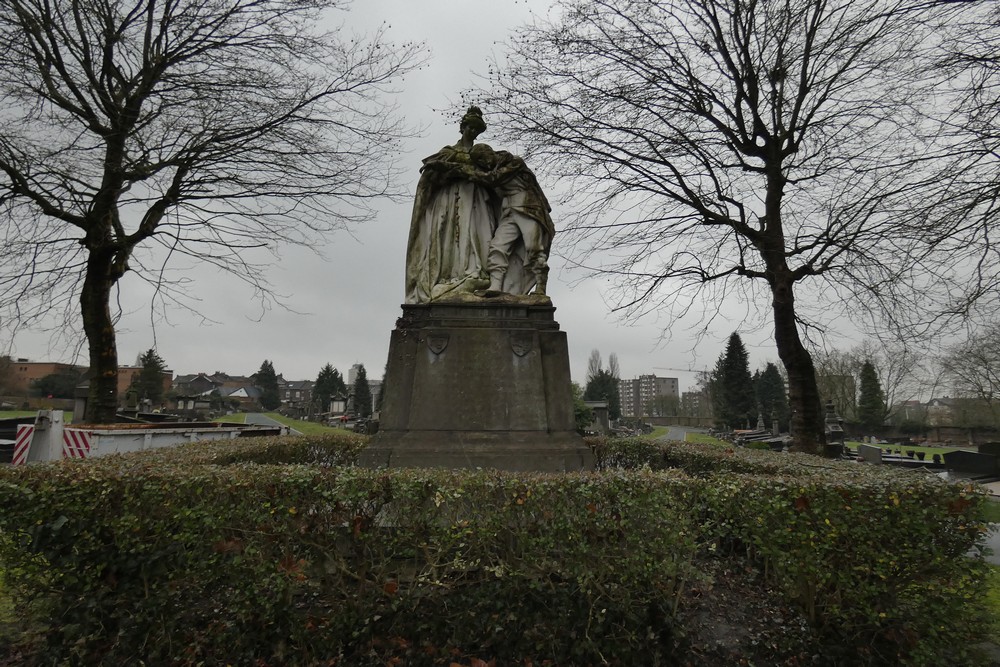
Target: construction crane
point(694, 371)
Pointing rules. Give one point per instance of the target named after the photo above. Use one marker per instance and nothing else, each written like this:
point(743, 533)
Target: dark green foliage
point(267, 381)
point(602, 384)
point(871, 401)
point(362, 394)
point(149, 381)
point(291, 564)
point(604, 387)
point(272, 551)
point(6, 374)
point(772, 396)
point(57, 385)
point(329, 383)
point(733, 388)
point(820, 535)
point(582, 415)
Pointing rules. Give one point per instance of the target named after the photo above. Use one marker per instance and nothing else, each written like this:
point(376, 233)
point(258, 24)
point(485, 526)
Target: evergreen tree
point(362, 394)
point(582, 415)
point(604, 387)
point(733, 388)
point(772, 398)
point(149, 381)
point(266, 380)
point(871, 402)
point(328, 384)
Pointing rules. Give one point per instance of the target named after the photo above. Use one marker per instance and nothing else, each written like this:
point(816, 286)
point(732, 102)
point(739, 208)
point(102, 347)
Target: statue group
point(478, 369)
point(480, 224)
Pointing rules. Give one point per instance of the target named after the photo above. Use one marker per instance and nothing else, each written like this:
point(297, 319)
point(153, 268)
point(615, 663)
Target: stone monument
point(478, 370)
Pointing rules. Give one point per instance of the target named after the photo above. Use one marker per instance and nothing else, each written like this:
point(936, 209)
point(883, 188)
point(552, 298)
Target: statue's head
point(483, 156)
point(473, 119)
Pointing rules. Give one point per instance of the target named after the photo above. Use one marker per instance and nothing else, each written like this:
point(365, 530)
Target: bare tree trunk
point(803, 393)
point(102, 403)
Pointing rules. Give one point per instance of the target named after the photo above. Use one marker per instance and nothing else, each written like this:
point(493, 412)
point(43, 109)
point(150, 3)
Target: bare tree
point(717, 148)
point(202, 127)
point(836, 376)
point(900, 368)
point(594, 365)
point(6, 374)
point(613, 367)
point(972, 368)
point(967, 198)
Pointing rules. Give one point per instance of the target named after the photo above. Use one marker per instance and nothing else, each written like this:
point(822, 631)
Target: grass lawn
point(7, 414)
point(303, 427)
point(991, 510)
point(657, 432)
point(993, 602)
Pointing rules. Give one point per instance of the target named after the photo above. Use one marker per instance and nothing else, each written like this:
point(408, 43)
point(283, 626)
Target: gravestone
point(870, 453)
point(971, 462)
point(992, 448)
point(478, 372)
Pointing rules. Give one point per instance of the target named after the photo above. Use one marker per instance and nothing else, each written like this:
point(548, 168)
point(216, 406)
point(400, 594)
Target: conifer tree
point(772, 397)
point(602, 384)
point(266, 380)
point(733, 388)
point(328, 384)
point(149, 382)
point(362, 394)
point(871, 401)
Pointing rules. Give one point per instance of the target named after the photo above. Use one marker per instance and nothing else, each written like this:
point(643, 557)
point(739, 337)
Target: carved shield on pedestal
point(437, 341)
point(520, 342)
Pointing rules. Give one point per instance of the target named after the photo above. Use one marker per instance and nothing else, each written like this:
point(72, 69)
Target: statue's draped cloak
point(530, 202)
point(454, 217)
point(450, 230)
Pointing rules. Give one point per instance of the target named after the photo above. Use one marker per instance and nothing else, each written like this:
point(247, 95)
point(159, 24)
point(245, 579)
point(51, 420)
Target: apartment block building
point(645, 394)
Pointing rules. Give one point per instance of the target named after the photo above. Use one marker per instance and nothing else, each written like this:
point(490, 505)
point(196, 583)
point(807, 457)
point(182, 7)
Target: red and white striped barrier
point(76, 443)
point(49, 440)
point(22, 443)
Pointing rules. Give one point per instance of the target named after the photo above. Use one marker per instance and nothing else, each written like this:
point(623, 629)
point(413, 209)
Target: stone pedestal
point(478, 384)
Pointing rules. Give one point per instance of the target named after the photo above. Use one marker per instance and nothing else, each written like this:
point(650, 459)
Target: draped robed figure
point(464, 192)
point(452, 224)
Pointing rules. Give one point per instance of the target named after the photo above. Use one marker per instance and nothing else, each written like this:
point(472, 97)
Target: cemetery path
point(263, 420)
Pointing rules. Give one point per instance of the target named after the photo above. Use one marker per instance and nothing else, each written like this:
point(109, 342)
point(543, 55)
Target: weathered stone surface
point(870, 453)
point(480, 223)
point(478, 383)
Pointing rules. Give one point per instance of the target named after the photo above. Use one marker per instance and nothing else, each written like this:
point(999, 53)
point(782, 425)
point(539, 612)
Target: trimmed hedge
point(875, 557)
point(272, 550)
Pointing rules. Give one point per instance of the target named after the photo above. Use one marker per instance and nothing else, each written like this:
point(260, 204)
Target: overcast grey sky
point(342, 310)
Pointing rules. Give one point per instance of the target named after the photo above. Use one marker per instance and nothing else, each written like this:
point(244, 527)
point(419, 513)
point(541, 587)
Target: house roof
point(246, 391)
